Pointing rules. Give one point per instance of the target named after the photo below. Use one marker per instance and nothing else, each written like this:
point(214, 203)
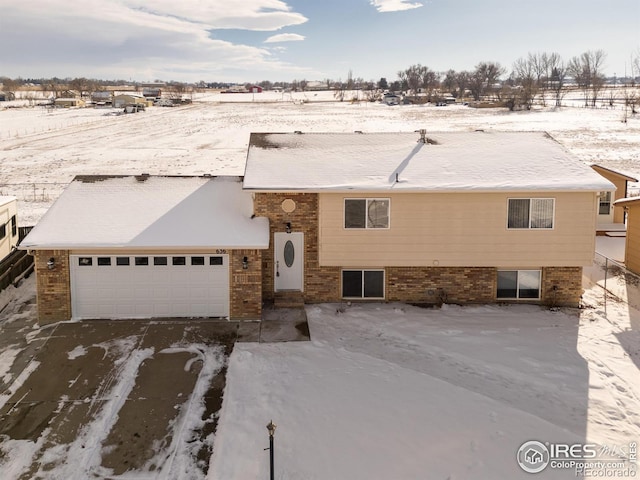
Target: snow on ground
point(382, 391)
point(43, 150)
point(395, 391)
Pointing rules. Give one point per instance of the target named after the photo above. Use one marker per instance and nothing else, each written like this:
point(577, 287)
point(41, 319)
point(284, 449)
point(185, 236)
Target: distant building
point(152, 92)
point(69, 102)
point(122, 100)
point(102, 97)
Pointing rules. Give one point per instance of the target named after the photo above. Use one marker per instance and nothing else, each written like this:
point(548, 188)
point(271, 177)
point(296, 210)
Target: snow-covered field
point(42, 150)
point(383, 391)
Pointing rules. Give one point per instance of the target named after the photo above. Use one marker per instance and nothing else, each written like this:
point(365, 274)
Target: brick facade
point(321, 284)
point(561, 286)
point(53, 286)
point(249, 288)
point(246, 285)
point(436, 285)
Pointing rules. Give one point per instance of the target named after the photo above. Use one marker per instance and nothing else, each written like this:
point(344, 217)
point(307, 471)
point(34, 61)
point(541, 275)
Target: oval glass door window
point(289, 253)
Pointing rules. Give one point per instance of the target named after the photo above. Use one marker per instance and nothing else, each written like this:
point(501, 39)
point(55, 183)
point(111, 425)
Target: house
point(124, 99)
point(612, 219)
point(631, 207)
point(102, 97)
point(9, 235)
point(146, 246)
point(472, 217)
point(65, 102)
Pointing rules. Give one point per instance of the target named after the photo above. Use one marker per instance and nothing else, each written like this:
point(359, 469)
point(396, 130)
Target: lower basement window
point(363, 284)
point(519, 284)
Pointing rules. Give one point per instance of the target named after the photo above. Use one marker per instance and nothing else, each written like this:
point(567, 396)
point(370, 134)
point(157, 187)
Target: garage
point(144, 286)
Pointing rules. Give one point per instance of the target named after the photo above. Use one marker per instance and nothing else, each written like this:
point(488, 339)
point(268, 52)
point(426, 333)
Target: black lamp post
point(272, 429)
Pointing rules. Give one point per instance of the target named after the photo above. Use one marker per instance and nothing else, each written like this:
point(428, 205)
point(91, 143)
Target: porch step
point(288, 299)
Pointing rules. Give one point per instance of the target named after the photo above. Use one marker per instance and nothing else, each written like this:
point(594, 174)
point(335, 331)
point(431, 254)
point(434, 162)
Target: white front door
point(289, 261)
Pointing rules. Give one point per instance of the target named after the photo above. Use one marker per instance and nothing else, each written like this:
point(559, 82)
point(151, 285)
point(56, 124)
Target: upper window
point(366, 213)
point(531, 213)
point(3, 231)
point(14, 226)
point(605, 203)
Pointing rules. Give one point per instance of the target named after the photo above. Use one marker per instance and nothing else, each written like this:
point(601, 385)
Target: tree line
point(541, 77)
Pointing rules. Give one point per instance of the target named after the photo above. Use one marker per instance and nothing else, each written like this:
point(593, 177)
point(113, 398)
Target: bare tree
point(52, 86)
point(175, 90)
point(420, 77)
point(483, 79)
point(463, 79)
point(83, 86)
point(526, 76)
point(10, 87)
point(586, 70)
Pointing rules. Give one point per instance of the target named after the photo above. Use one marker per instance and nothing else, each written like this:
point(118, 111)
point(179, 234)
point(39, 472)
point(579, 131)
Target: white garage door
point(131, 286)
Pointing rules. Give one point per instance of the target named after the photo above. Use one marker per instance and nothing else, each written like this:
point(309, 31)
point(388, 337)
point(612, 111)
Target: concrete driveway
point(102, 398)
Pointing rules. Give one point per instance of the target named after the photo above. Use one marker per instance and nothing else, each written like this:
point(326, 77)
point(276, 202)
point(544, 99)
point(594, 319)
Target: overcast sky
point(253, 40)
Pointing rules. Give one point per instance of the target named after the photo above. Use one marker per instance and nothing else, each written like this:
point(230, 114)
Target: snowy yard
point(383, 391)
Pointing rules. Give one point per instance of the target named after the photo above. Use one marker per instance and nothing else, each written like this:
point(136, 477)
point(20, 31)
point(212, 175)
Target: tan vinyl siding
point(459, 229)
point(632, 248)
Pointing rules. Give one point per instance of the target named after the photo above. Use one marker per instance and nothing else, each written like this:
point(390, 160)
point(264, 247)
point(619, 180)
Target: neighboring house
point(9, 235)
point(101, 97)
point(472, 217)
point(146, 246)
point(124, 99)
point(69, 94)
point(631, 207)
point(69, 102)
point(255, 89)
point(460, 217)
point(612, 219)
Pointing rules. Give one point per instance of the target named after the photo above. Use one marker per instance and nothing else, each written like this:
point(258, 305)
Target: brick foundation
point(436, 285)
point(561, 286)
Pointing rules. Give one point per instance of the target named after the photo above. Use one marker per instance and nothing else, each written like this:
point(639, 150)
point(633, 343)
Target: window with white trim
point(530, 213)
point(604, 206)
point(363, 283)
point(366, 213)
point(519, 284)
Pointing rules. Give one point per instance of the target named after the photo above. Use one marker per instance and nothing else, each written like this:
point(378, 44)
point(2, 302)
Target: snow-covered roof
point(4, 200)
point(151, 211)
point(628, 201)
point(446, 162)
